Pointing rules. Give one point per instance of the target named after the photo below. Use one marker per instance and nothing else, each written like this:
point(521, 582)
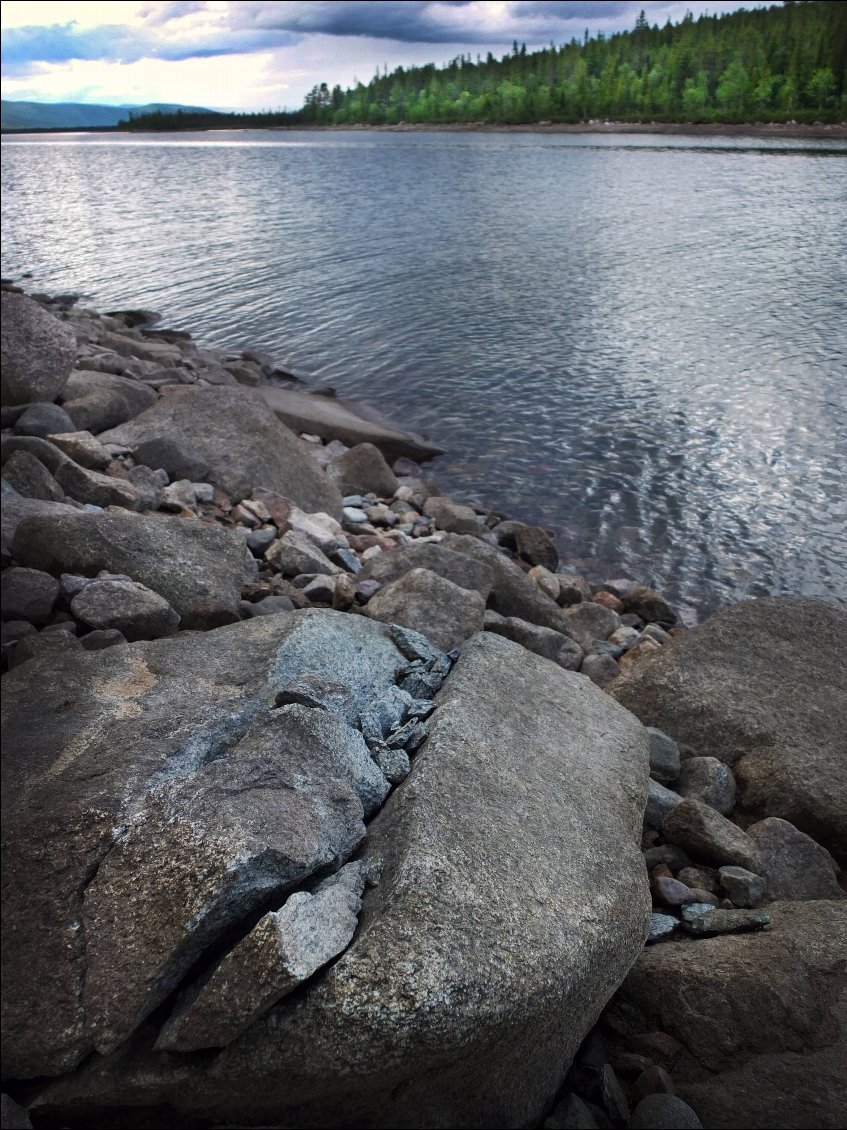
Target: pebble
point(259, 540)
point(354, 515)
point(354, 500)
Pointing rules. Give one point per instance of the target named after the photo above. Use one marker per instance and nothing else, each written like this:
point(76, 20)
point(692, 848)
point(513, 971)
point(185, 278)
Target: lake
point(637, 341)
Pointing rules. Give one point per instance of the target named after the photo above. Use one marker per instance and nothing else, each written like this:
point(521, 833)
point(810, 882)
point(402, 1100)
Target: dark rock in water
point(179, 460)
point(793, 865)
point(664, 755)
point(708, 836)
point(425, 602)
point(551, 645)
point(37, 351)
point(243, 443)
point(708, 780)
point(28, 477)
point(759, 1016)
point(762, 686)
point(153, 796)
point(536, 547)
point(282, 951)
point(363, 469)
point(455, 567)
point(43, 420)
point(664, 1112)
point(185, 562)
point(131, 608)
point(100, 490)
point(28, 594)
point(529, 933)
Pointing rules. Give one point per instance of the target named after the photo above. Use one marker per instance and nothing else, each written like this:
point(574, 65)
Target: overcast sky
point(255, 54)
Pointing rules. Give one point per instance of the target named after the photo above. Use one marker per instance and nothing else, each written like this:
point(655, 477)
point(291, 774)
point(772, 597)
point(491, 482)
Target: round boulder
point(132, 608)
point(36, 351)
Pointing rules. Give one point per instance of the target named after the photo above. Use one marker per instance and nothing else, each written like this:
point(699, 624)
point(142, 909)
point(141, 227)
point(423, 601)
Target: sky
point(266, 54)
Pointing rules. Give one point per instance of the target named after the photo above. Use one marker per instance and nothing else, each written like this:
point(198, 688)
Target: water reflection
point(640, 345)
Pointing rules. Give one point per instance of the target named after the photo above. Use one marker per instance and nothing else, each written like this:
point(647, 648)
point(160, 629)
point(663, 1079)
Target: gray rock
point(320, 590)
point(43, 420)
point(149, 485)
point(100, 490)
point(28, 477)
point(393, 763)
point(363, 469)
point(661, 926)
point(513, 593)
point(282, 951)
point(446, 614)
point(572, 589)
point(98, 409)
point(13, 1116)
point(762, 686)
point(185, 562)
point(451, 516)
point(36, 351)
point(708, 780)
point(672, 892)
point(312, 691)
point(151, 794)
point(384, 714)
point(664, 1112)
point(353, 516)
point(45, 452)
point(243, 443)
point(135, 394)
point(179, 496)
point(552, 645)
point(586, 622)
point(793, 865)
point(742, 886)
point(131, 608)
point(101, 638)
point(84, 448)
point(409, 737)
point(293, 554)
point(270, 606)
point(647, 604)
point(536, 547)
point(654, 632)
point(664, 755)
point(709, 837)
point(28, 594)
point(600, 669)
point(416, 647)
point(13, 511)
point(259, 540)
point(625, 638)
point(660, 803)
point(613, 1095)
point(458, 568)
point(573, 1114)
point(719, 921)
point(471, 932)
point(178, 459)
point(668, 854)
point(701, 877)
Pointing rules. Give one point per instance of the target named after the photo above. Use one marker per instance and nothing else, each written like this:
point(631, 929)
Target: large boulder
point(37, 351)
point(459, 568)
point(15, 508)
point(444, 613)
point(243, 443)
point(136, 395)
point(185, 561)
point(484, 953)
point(760, 1018)
point(154, 799)
point(762, 687)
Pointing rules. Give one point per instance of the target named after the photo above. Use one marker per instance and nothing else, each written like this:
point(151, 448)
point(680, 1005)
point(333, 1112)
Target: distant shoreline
point(702, 129)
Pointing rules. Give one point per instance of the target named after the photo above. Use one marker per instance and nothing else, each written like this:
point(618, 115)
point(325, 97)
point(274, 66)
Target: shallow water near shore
point(638, 341)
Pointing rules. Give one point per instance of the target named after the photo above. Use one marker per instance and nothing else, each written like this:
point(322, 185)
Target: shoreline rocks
point(311, 764)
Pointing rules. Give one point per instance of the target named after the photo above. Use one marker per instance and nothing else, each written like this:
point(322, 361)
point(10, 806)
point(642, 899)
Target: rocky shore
point(329, 800)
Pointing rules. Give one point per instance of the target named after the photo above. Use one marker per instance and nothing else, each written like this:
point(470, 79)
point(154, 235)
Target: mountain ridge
point(68, 115)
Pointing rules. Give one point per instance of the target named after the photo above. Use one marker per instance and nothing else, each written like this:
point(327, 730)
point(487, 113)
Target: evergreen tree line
point(768, 64)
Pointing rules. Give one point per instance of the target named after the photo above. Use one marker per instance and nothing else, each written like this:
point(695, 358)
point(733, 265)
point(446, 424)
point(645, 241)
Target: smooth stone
point(102, 637)
point(127, 606)
point(664, 1112)
point(600, 669)
point(135, 395)
point(28, 594)
point(660, 803)
point(451, 516)
point(705, 834)
point(664, 755)
point(455, 567)
point(708, 780)
point(43, 420)
point(586, 622)
point(742, 886)
point(363, 468)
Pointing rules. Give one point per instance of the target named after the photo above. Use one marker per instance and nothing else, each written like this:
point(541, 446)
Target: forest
point(777, 64)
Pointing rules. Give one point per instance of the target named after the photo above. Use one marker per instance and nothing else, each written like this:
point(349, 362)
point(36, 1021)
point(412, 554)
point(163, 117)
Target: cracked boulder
point(510, 903)
point(243, 443)
point(762, 687)
point(154, 799)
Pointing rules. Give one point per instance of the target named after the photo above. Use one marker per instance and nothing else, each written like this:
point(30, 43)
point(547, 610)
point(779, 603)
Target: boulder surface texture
point(242, 441)
point(37, 351)
point(762, 687)
point(488, 946)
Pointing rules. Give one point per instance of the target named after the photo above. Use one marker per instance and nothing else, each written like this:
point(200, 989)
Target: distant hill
point(77, 115)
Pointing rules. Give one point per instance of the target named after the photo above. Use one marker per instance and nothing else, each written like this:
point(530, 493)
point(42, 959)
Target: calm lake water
point(637, 341)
